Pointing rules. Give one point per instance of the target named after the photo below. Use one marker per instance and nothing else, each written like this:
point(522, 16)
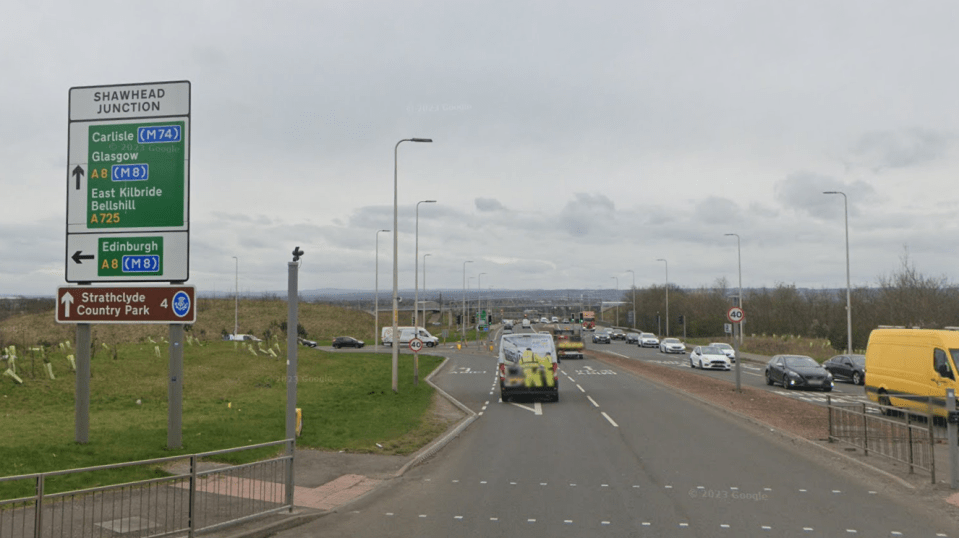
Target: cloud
point(489, 204)
point(586, 212)
point(880, 150)
point(803, 192)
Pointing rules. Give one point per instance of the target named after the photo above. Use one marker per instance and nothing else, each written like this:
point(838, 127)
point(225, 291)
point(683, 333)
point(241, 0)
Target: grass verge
point(233, 395)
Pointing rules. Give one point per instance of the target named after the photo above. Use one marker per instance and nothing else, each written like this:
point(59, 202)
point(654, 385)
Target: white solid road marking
point(537, 408)
point(617, 354)
point(590, 398)
point(567, 521)
point(611, 421)
point(581, 389)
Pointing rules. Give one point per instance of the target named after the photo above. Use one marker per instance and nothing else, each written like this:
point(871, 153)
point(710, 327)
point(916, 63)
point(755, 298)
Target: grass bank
point(233, 395)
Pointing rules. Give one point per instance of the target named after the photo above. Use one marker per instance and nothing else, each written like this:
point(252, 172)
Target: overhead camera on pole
point(297, 253)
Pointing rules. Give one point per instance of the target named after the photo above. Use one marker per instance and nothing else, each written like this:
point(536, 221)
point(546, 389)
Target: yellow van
point(912, 368)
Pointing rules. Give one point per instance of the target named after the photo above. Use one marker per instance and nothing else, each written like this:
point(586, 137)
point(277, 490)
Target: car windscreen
point(801, 362)
point(670, 341)
point(713, 350)
point(723, 346)
point(514, 345)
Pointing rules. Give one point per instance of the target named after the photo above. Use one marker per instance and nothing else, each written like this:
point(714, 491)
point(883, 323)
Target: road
point(619, 456)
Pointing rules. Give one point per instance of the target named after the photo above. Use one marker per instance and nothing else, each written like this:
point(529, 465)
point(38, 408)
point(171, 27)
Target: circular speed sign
point(735, 314)
point(416, 345)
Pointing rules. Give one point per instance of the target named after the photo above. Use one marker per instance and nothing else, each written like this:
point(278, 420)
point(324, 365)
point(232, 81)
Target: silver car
point(672, 345)
point(726, 349)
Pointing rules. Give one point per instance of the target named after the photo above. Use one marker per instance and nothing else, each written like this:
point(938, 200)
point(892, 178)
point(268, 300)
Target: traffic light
point(489, 320)
point(681, 319)
point(459, 319)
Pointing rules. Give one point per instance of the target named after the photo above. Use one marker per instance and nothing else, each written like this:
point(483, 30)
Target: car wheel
point(856, 378)
point(785, 382)
point(503, 395)
point(430, 344)
point(700, 364)
point(769, 380)
point(556, 397)
point(336, 346)
point(691, 365)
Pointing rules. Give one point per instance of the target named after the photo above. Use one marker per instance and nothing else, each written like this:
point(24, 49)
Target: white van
point(407, 334)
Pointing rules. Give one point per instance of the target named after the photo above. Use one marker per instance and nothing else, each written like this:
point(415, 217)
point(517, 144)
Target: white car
point(543, 320)
point(554, 320)
point(648, 340)
point(726, 349)
point(709, 357)
point(672, 345)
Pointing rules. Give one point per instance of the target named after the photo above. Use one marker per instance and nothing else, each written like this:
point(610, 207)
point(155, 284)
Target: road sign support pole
point(174, 428)
point(416, 368)
point(736, 316)
point(82, 402)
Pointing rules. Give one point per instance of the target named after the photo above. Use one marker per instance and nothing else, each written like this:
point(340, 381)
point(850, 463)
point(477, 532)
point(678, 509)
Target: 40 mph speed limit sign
point(735, 314)
point(416, 345)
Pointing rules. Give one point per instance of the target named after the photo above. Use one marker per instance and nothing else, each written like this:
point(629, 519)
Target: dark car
point(347, 341)
point(798, 371)
point(600, 337)
point(848, 367)
point(632, 338)
point(618, 334)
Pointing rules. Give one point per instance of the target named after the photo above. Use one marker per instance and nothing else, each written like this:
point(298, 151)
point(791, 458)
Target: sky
point(573, 142)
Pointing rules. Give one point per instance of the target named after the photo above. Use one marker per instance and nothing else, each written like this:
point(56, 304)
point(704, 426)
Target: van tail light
point(555, 370)
point(502, 371)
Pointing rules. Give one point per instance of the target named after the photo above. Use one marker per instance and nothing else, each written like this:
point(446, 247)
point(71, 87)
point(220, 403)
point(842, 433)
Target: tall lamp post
point(739, 262)
point(424, 287)
point(416, 272)
point(667, 293)
point(479, 302)
point(463, 339)
point(634, 297)
point(396, 270)
point(236, 300)
point(376, 296)
point(617, 300)
point(845, 202)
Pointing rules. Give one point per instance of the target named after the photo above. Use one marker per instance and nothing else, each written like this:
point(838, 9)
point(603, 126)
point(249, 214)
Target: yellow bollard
point(459, 346)
point(299, 421)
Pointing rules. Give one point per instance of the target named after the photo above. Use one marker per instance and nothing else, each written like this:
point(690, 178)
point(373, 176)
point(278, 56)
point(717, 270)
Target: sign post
point(736, 315)
point(415, 346)
point(128, 177)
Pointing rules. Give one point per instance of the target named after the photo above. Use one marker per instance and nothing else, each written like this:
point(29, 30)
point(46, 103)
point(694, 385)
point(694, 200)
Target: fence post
point(932, 446)
point(953, 438)
point(865, 432)
point(191, 517)
point(38, 516)
point(909, 438)
point(289, 471)
point(829, 414)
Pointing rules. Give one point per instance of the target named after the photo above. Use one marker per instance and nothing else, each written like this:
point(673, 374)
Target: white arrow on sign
point(67, 299)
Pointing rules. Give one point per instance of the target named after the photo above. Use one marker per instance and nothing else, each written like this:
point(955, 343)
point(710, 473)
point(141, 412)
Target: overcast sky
point(572, 141)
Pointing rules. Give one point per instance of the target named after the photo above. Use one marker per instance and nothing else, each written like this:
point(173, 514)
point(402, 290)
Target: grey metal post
point(667, 293)
point(376, 296)
point(953, 439)
point(465, 317)
point(633, 273)
point(174, 428)
point(396, 267)
point(829, 416)
point(291, 366)
point(416, 270)
point(236, 299)
point(845, 203)
point(82, 403)
point(739, 387)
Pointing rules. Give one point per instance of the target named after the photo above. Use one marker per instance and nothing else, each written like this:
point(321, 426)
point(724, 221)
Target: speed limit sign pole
point(415, 346)
point(736, 315)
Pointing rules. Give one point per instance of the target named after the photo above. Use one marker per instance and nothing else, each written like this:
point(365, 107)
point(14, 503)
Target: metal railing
point(188, 501)
point(904, 436)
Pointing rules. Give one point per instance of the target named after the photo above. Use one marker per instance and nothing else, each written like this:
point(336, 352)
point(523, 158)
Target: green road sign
point(128, 183)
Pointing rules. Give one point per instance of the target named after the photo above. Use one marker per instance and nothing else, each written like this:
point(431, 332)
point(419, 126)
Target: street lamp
point(667, 293)
point(845, 202)
point(424, 287)
point(634, 297)
point(416, 272)
point(479, 302)
point(396, 271)
point(463, 339)
point(617, 299)
point(739, 261)
point(236, 300)
point(376, 296)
